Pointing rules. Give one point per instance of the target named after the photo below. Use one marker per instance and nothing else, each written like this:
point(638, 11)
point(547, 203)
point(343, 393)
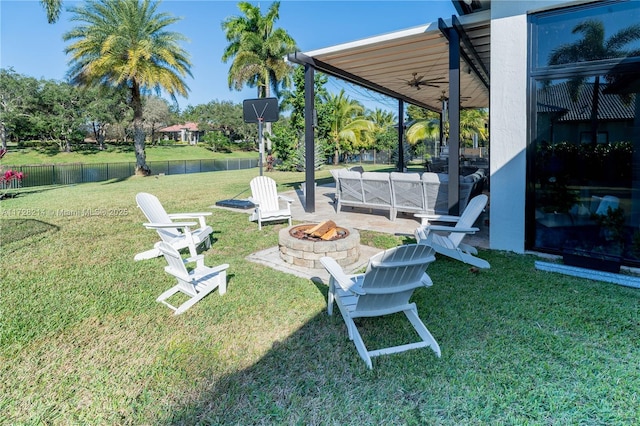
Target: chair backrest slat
point(468, 217)
point(155, 213)
point(393, 275)
point(264, 189)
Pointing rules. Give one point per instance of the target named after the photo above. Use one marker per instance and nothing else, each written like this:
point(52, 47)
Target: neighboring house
point(187, 132)
point(500, 55)
point(568, 118)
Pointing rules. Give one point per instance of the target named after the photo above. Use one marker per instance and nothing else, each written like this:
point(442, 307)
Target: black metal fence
point(66, 174)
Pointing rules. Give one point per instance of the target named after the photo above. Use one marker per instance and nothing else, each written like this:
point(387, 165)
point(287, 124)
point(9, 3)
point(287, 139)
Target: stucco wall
point(508, 121)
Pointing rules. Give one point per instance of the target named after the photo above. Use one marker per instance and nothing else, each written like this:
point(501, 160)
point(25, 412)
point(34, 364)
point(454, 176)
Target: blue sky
point(35, 48)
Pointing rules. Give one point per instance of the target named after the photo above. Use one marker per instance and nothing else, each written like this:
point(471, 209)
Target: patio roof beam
point(464, 38)
point(446, 31)
point(302, 59)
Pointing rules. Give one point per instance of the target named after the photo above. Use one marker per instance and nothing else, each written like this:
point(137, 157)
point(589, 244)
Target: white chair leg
point(423, 332)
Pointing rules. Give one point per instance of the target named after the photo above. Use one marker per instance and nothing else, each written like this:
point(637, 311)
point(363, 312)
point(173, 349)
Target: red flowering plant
point(10, 180)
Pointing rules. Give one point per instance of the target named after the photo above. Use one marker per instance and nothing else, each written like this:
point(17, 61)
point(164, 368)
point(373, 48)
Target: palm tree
point(593, 47)
point(426, 125)
point(348, 126)
point(124, 43)
point(474, 121)
point(257, 51)
point(382, 119)
point(52, 7)
point(423, 129)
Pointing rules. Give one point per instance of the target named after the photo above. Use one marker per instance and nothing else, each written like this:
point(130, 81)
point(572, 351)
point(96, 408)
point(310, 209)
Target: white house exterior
point(521, 69)
point(508, 124)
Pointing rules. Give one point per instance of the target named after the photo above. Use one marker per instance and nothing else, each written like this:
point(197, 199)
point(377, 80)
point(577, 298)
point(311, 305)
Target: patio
point(355, 218)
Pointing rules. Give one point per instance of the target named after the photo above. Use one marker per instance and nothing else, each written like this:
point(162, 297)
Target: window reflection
point(586, 192)
point(593, 33)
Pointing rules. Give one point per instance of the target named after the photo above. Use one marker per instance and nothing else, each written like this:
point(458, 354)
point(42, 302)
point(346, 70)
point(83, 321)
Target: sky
point(35, 48)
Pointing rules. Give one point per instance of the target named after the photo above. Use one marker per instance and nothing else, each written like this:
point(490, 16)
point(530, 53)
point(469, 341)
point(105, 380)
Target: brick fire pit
point(307, 252)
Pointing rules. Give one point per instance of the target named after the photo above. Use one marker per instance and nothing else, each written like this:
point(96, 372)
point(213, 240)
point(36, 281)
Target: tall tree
point(426, 124)
point(125, 43)
point(385, 131)
point(52, 7)
point(17, 101)
point(106, 106)
point(257, 50)
point(347, 123)
point(474, 121)
point(592, 47)
point(157, 114)
point(62, 113)
point(222, 116)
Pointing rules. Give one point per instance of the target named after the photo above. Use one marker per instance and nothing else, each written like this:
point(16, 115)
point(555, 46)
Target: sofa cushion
point(404, 176)
point(375, 176)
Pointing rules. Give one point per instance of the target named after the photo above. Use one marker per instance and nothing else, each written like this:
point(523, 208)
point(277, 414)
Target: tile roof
point(190, 126)
point(556, 98)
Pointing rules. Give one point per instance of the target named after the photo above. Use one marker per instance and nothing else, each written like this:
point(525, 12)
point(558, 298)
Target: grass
point(114, 154)
point(84, 342)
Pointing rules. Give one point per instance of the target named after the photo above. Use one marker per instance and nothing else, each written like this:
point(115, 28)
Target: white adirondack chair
point(385, 288)
point(196, 283)
point(449, 241)
point(265, 196)
point(179, 234)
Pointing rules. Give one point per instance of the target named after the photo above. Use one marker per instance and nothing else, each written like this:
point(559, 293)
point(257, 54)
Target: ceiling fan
point(444, 98)
point(418, 81)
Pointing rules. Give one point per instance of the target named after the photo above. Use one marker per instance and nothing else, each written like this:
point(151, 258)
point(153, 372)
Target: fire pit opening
point(304, 245)
point(325, 231)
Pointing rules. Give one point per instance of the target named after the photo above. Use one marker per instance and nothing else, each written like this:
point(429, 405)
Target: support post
point(454, 122)
point(400, 165)
point(309, 142)
point(260, 145)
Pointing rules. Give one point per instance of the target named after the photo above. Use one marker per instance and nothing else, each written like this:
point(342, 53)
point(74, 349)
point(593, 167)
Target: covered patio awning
point(413, 64)
point(424, 66)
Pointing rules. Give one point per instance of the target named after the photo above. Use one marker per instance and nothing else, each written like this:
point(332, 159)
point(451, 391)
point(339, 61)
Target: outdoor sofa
point(402, 192)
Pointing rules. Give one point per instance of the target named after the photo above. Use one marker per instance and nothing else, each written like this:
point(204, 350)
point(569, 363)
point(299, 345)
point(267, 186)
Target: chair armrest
point(188, 215)
point(345, 281)
point(254, 201)
point(285, 198)
point(425, 218)
point(443, 218)
point(452, 229)
point(169, 225)
point(199, 216)
point(198, 260)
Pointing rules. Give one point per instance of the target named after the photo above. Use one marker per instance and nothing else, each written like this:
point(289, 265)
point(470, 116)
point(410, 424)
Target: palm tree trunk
point(138, 132)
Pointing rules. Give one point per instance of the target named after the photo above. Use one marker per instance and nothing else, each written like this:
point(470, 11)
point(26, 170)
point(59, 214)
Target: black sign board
point(263, 110)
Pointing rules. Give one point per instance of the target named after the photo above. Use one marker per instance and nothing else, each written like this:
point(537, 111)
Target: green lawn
point(52, 155)
point(84, 342)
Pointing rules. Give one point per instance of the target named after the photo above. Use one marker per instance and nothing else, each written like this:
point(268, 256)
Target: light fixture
point(468, 2)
